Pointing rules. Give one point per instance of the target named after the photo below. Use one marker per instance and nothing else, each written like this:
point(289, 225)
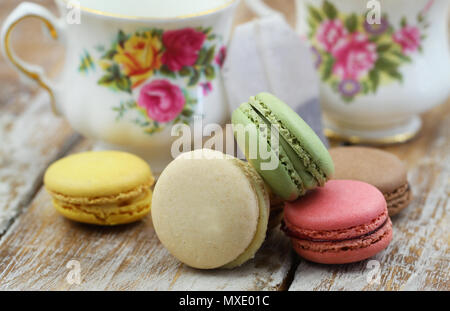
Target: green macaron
point(303, 161)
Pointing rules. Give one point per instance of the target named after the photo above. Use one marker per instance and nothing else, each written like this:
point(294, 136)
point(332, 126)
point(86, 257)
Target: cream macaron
point(210, 210)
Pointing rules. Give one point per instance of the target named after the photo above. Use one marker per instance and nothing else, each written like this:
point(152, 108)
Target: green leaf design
point(385, 64)
point(365, 87)
point(115, 79)
point(86, 63)
point(374, 77)
point(402, 56)
point(347, 99)
point(329, 9)
point(312, 27)
point(194, 78)
point(165, 71)
point(201, 57)
point(327, 68)
point(383, 47)
point(206, 30)
point(394, 73)
point(315, 14)
point(121, 38)
point(210, 55)
point(210, 73)
point(187, 112)
point(403, 22)
point(109, 54)
point(420, 17)
point(185, 71)
point(106, 80)
point(351, 22)
point(124, 84)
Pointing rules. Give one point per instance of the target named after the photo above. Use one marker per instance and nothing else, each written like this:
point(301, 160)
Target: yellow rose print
point(139, 57)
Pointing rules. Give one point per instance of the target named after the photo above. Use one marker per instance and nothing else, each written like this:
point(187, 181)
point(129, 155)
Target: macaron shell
point(97, 174)
point(205, 211)
point(281, 178)
point(303, 133)
point(264, 212)
point(339, 204)
point(353, 250)
point(376, 167)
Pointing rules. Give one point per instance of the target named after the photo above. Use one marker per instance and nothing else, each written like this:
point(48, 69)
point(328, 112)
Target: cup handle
point(32, 72)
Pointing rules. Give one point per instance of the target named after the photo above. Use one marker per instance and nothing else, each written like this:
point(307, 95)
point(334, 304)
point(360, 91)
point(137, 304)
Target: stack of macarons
point(211, 210)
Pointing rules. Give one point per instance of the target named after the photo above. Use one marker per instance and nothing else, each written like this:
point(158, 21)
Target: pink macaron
point(343, 222)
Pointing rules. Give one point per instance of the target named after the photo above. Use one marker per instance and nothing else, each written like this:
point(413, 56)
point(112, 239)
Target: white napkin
point(268, 55)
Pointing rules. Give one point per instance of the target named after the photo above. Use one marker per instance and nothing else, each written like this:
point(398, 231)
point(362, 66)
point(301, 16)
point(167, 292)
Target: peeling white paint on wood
point(35, 251)
point(419, 256)
point(30, 138)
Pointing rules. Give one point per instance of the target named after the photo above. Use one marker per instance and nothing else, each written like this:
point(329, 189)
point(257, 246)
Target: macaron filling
point(263, 218)
point(310, 166)
point(354, 243)
point(398, 199)
point(106, 213)
point(257, 119)
point(334, 240)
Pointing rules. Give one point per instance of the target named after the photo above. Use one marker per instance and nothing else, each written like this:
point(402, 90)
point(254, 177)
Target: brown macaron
point(379, 168)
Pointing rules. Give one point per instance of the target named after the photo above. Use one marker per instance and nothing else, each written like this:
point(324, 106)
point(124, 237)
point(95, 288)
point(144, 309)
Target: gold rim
point(390, 140)
point(108, 14)
point(32, 75)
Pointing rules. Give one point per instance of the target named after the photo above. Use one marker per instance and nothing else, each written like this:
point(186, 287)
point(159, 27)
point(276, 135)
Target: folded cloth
point(266, 54)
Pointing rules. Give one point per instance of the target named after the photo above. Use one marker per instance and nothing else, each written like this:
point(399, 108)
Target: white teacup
point(133, 68)
point(376, 78)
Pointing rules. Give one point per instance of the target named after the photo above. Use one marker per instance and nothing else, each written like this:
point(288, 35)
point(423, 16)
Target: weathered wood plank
point(419, 256)
point(34, 254)
point(30, 138)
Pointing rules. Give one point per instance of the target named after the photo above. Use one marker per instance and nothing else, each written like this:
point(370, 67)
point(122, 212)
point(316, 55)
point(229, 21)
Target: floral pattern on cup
point(355, 57)
point(163, 71)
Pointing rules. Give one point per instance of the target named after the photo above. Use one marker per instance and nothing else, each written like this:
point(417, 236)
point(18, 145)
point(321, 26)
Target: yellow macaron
point(101, 187)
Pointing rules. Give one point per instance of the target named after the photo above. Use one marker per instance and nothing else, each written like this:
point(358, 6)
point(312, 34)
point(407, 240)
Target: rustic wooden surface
point(36, 243)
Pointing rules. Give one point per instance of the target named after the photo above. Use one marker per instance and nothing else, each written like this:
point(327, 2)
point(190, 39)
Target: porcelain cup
point(381, 63)
point(133, 68)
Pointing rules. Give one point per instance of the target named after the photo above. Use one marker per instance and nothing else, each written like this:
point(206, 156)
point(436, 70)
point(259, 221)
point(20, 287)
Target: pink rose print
point(408, 38)
point(355, 56)
point(162, 100)
point(329, 33)
point(182, 47)
point(220, 57)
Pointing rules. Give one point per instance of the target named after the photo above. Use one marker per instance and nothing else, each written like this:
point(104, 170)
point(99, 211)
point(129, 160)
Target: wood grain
point(35, 251)
point(39, 244)
point(418, 258)
point(30, 136)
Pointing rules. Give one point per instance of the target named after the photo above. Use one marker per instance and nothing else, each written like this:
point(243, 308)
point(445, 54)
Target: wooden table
point(37, 245)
